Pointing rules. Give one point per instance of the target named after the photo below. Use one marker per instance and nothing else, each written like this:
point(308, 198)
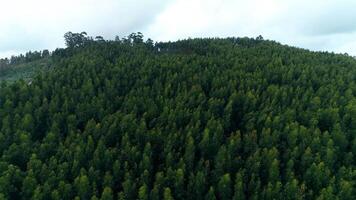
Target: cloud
point(324, 17)
point(39, 24)
point(209, 18)
point(317, 25)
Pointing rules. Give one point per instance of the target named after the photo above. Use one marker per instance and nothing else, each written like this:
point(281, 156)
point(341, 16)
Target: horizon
point(145, 38)
point(317, 26)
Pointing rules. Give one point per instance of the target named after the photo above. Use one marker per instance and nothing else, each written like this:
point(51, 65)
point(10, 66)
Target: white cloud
point(39, 24)
point(209, 18)
point(317, 25)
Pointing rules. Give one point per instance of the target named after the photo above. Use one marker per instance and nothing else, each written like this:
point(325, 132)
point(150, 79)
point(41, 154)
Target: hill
point(24, 66)
point(233, 118)
point(24, 71)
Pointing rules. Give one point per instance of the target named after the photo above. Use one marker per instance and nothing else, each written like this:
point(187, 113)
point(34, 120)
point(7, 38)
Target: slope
point(24, 70)
point(194, 119)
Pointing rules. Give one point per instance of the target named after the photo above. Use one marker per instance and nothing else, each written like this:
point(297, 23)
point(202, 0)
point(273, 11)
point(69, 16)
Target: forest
point(196, 119)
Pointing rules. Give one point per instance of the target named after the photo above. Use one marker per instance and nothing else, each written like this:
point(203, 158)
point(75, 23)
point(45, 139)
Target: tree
point(189, 153)
point(167, 194)
point(143, 192)
point(136, 38)
point(239, 193)
point(107, 194)
point(210, 195)
point(347, 191)
point(99, 39)
point(29, 185)
point(55, 195)
point(259, 38)
point(45, 53)
point(274, 171)
point(291, 190)
point(224, 187)
point(128, 187)
point(83, 187)
point(75, 39)
point(179, 190)
point(326, 194)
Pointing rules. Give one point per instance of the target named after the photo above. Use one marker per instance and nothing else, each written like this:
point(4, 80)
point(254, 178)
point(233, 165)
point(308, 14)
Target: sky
point(321, 25)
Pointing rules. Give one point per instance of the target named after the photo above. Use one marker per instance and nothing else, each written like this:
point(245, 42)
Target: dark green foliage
point(233, 118)
point(24, 70)
point(76, 39)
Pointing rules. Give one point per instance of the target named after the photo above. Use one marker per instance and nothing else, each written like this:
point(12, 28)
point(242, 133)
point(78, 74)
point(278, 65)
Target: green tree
point(239, 187)
point(143, 192)
point(29, 185)
point(83, 187)
point(224, 187)
point(107, 194)
point(210, 195)
point(167, 194)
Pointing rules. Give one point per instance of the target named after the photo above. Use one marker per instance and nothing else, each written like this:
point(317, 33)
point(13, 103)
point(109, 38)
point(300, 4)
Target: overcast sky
point(326, 25)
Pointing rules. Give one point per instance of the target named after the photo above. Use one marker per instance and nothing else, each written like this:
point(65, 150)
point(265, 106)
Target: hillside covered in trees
point(199, 119)
point(24, 66)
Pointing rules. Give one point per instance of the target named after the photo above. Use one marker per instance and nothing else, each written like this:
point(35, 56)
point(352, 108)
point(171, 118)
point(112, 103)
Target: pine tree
point(224, 187)
point(167, 194)
point(239, 193)
point(107, 194)
point(210, 195)
point(143, 192)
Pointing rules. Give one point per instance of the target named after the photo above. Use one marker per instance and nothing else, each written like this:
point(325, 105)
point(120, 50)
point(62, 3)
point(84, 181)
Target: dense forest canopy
point(233, 118)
